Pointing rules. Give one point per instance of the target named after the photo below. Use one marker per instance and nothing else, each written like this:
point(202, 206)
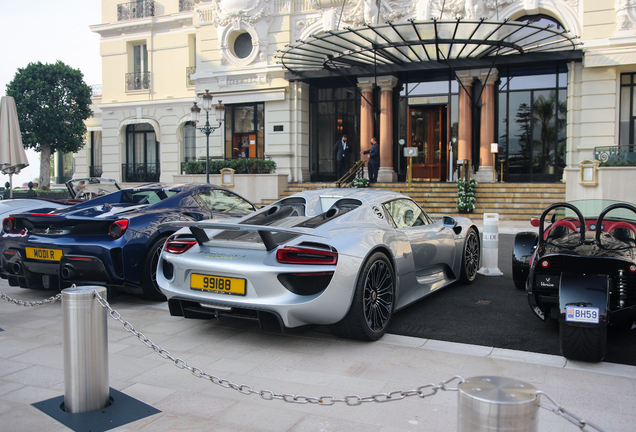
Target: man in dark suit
point(374, 160)
point(343, 151)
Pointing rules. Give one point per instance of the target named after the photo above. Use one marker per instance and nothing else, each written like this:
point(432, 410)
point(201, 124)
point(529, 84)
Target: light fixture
point(195, 111)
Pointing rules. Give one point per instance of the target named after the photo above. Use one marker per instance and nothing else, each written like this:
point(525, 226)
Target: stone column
point(487, 129)
point(386, 174)
point(366, 112)
point(465, 132)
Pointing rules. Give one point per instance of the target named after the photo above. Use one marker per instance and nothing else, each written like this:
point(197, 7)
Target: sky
point(47, 31)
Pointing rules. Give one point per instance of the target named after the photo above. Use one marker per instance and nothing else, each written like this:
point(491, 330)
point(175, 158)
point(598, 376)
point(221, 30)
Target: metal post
point(85, 350)
point(207, 132)
point(490, 241)
point(496, 404)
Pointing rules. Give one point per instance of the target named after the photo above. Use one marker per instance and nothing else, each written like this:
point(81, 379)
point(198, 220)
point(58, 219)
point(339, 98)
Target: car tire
point(470, 257)
point(583, 343)
point(373, 302)
point(149, 285)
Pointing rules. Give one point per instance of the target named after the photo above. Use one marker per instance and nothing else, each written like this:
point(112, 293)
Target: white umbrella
point(13, 158)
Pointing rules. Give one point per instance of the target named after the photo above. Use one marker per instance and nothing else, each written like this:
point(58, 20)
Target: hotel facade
point(550, 82)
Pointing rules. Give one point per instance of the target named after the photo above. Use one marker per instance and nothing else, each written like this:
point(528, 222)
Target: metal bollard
point(489, 404)
point(490, 241)
point(85, 350)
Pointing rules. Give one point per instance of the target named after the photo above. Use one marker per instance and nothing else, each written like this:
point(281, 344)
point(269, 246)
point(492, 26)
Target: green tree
point(53, 101)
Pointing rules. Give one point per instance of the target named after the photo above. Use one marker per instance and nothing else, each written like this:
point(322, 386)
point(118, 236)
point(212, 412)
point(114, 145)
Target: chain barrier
point(353, 400)
point(569, 416)
point(49, 300)
point(424, 391)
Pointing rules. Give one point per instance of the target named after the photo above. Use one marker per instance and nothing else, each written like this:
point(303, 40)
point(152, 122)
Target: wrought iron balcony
point(137, 81)
point(189, 71)
point(142, 172)
point(95, 171)
point(136, 9)
point(186, 5)
point(618, 153)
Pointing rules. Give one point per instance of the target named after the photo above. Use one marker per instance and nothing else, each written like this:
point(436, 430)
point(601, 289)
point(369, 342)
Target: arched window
point(541, 20)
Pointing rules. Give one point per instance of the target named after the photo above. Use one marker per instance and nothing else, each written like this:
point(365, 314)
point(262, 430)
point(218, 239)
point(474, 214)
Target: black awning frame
point(387, 49)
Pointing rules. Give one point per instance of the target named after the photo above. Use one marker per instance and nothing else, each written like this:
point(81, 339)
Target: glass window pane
point(544, 133)
point(625, 115)
point(189, 142)
point(626, 79)
point(520, 133)
point(527, 82)
point(563, 79)
point(244, 119)
point(503, 125)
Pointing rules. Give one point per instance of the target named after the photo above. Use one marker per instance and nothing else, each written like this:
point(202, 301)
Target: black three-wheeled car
point(580, 269)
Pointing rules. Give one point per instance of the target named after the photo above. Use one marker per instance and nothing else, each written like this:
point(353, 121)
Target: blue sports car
point(114, 240)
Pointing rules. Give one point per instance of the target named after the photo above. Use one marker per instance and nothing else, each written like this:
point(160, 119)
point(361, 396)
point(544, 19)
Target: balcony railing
point(96, 90)
point(618, 153)
point(186, 5)
point(142, 172)
point(137, 81)
point(189, 71)
point(136, 9)
point(95, 171)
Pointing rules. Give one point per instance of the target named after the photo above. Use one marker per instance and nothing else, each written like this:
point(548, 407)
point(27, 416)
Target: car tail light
point(296, 255)
point(44, 214)
point(118, 228)
point(632, 268)
point(176, 245)
point(544, 263)
point(8, 224)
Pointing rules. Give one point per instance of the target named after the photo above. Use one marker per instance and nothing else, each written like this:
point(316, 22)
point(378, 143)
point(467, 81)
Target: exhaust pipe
point(17, 268)
point(67, 272)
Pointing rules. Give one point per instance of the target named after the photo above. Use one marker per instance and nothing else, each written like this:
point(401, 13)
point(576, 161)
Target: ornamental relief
point(224, 12)
point(625, 14)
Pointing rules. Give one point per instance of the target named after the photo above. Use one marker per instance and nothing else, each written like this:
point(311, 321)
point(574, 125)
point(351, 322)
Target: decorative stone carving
point(625, 14)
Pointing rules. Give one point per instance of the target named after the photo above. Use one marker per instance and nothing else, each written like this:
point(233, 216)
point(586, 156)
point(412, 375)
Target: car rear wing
point(265, 232)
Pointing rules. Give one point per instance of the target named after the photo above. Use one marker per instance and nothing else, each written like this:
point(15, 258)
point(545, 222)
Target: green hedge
point(241, 166)
point(615, 162)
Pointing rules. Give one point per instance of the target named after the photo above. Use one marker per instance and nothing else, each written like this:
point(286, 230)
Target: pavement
point(313, 364)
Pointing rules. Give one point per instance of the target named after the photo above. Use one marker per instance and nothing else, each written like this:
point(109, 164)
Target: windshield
point(591, 209)
point(146, 196)
point(87, 188)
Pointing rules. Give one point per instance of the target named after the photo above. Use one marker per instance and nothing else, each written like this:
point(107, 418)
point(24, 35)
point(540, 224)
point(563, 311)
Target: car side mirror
point(449, 222)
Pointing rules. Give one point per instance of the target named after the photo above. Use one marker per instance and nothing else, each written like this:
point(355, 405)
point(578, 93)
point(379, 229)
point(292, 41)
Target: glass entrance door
point(428, 132)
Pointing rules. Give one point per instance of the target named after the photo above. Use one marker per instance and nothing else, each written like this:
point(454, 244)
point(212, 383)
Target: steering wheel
point(562, 222)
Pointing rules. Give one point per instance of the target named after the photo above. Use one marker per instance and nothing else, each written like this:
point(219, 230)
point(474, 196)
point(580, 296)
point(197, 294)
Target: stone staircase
point(513, 201)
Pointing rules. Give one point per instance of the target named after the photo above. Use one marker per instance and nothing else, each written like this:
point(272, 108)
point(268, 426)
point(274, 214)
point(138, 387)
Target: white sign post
point(490, 242)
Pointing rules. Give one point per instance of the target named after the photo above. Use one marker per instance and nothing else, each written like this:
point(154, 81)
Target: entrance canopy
point(426, 45)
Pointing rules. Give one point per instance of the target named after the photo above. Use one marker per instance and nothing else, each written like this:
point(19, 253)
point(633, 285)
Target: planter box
point(614, 183)
point(254, 187)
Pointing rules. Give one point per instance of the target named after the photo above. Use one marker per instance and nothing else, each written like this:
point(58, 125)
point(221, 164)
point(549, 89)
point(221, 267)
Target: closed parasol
point(13, 158)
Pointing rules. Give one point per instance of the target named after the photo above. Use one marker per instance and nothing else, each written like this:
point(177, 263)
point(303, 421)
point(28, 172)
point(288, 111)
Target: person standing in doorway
point(374, 160)
point(342, 156)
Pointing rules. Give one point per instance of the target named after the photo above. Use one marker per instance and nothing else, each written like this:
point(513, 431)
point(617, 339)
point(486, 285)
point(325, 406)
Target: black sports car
point(580, 269)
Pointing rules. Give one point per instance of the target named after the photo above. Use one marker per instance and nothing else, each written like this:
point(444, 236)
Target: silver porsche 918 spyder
point(345, 258)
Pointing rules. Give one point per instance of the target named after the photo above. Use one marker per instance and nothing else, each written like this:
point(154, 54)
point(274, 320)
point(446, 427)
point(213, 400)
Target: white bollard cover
point(490, 246)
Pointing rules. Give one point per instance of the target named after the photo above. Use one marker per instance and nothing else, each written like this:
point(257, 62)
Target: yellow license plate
point(217, 284)
point(44, 254)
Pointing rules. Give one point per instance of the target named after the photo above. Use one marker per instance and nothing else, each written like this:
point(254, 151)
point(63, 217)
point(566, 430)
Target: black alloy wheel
point(470, 257)
point(149, 285)
point(373, 302)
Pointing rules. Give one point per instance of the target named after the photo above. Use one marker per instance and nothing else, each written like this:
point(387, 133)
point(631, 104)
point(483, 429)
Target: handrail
point(357, 170)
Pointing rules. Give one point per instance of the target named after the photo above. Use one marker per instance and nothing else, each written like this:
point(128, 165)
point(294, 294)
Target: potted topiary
point(466, 195)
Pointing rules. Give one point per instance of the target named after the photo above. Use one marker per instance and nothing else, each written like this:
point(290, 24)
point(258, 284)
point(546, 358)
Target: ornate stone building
point(447, 77)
